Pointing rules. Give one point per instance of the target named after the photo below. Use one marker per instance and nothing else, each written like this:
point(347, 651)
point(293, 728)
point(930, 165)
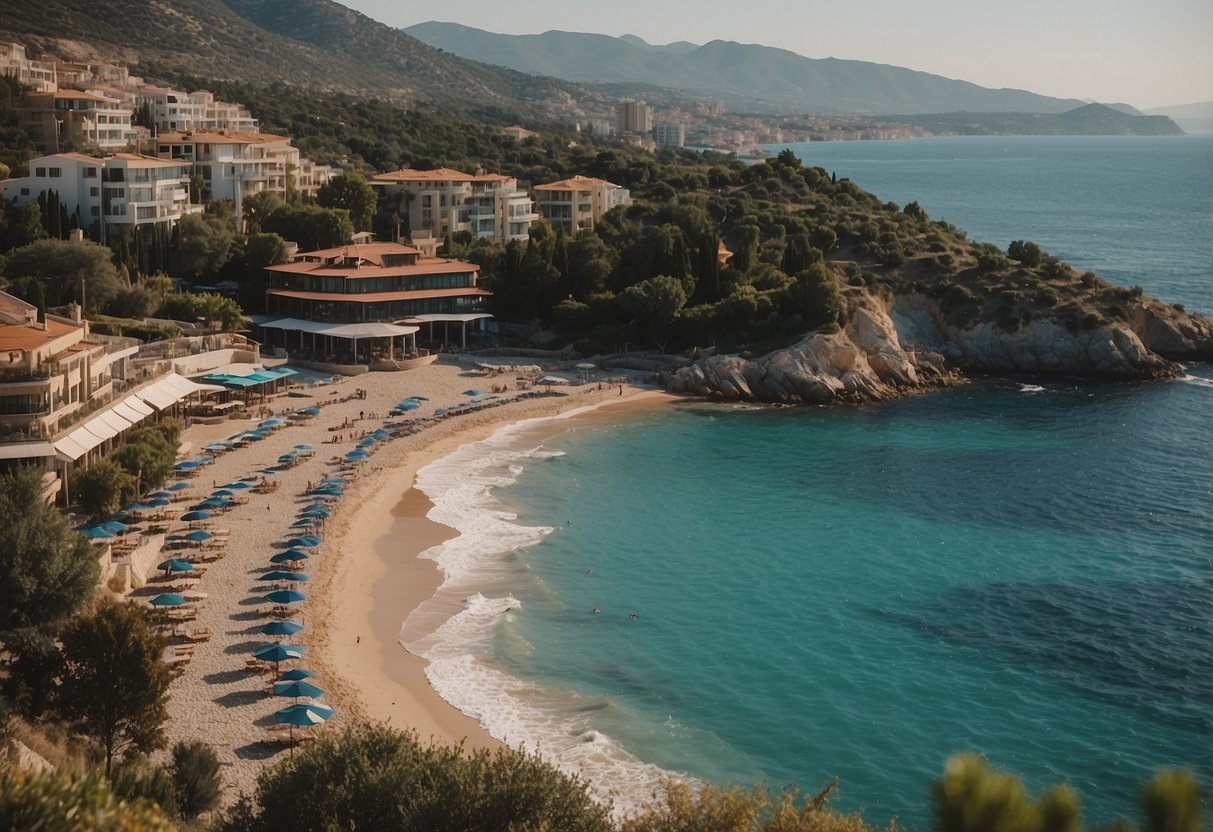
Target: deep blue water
point(860, 592)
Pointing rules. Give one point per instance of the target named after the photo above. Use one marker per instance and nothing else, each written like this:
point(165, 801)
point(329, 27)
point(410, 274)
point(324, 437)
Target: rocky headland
point(891, 344)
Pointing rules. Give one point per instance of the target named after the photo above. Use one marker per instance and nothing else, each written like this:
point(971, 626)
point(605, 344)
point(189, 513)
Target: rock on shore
point(894, 344)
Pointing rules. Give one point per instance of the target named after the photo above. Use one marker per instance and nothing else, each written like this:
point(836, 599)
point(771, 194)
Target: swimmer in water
point(633, 617)
point(595, 610)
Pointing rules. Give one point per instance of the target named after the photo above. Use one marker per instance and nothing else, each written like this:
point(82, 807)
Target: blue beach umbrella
point(176, 565)
point(222, 492)
point(194, 516)
point(408, 405)
point(239, 484)
point(186, 465)
point(419, 398)
point(168, 599)
point(367, 442)
point(159, 502)
point(311, 411)
point(198, 535)
point(356, 456)
point(160, 493)
point(96, 533)
point(305, 523)
point(473, 392)
point(283, 575)
point(289, 556)
point(179, 486)
point(295, 673)
point(282, 628)
point(307, 541)
point(303, 446)
point(301, 714)
point(114, 526)
point(269, 423)
point(279, 652)
point(285, 596)
point(297, 688)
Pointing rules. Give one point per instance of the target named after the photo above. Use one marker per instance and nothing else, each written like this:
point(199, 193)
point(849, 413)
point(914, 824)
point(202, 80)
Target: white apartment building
point(174, 111)
point(580, 202)
point(444, 201)
point(634, 117)
point(89, 120)
point(125, 189)
point(40, 75)
point(233, 165)
point(670, 134)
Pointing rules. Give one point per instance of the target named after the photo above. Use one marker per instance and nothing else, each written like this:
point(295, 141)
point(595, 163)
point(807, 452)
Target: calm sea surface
point(1019, 569)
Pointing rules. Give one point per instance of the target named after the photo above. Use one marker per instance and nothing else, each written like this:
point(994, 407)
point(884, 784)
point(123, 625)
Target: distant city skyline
point(1144, 54)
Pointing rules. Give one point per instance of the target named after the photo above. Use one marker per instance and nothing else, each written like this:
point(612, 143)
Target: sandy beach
point(364, 581)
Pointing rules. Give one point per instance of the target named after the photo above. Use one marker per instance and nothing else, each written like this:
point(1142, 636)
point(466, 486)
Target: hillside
point(748, 77)
point(311, 43)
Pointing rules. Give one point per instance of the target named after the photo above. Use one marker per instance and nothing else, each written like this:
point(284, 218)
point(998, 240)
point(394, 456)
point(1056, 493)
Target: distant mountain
point(1195, 118)
point(748, 77)
point(1087, 120)
point(315, 43)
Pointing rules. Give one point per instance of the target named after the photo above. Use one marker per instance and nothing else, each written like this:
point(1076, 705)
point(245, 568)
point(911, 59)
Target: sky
point(1147, 53)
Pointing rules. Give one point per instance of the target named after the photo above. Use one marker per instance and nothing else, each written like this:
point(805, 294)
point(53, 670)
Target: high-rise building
point(669, 134)
point(634, 117)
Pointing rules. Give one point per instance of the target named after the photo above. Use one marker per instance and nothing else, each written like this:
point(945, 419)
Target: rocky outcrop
point(895, 344)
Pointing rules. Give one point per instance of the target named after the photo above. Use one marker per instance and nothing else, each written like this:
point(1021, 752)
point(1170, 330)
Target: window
point(95, 211)
point(25, 192)
point(40, 173)
point(94, 192)
point(56, 172)
point(89, 173)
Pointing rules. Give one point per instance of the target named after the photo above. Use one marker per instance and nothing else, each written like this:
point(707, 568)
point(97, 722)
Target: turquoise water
point(1018, 569)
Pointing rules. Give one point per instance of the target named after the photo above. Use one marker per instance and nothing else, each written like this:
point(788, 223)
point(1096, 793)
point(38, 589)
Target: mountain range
point(748, 77)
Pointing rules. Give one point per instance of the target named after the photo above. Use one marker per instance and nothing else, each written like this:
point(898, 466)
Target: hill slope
point(315, 43)
point(749, 77)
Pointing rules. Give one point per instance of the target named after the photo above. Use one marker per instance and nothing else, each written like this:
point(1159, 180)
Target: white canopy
point(368, 329)
point(441, 318)
point(26, 450)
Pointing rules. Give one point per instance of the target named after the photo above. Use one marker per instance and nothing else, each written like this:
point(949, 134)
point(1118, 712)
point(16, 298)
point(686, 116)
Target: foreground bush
point(69, 803)
point(374, 778)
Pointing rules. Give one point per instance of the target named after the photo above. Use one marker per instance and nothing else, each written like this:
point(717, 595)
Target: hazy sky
point(1147, 53)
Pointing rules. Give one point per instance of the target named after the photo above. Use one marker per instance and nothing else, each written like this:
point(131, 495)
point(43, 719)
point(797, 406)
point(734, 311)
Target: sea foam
point(459, 646)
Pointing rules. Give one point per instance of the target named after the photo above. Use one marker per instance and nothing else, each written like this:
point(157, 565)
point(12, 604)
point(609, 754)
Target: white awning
point(448, 318)
point(26, 450)
point(69, 449)
point(99, 429)
point(184, 387)
point(158, 395)
point(113, 421)
point(129, 413)
point(368, 329)
point(138, 405)
point(84, 438)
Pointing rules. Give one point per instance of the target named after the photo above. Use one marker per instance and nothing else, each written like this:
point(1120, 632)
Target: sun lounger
point(201, 634)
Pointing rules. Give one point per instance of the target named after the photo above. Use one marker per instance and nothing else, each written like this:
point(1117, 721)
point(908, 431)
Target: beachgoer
point(595, 610)
point(621, 389)
point(358, 640)
point(633, 617)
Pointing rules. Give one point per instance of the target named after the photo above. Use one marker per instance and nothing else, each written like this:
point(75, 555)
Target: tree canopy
point(351, 192)
point(372, 777)
point(47, 570)
point(114, 687)
point(68, 271)
point(311, 226)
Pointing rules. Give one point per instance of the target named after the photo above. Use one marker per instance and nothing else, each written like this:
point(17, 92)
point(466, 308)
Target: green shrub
point(195, 778)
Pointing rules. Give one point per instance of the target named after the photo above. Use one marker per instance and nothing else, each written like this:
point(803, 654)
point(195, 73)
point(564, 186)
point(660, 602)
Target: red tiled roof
point(577, 183)
point(31, 336)
point(219, 137)
point(437, 175)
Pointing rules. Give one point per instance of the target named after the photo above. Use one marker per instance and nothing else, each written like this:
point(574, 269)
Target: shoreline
point(375, 576)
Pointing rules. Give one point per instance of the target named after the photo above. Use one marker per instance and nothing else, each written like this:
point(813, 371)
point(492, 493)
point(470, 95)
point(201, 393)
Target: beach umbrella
point(289, 556)
point(295, 673)
point(179, 486)
point(160, 502)
point(302, 714)
point(305, 523)
point(96, 533)
point(198, 535)
point(318, 508)
point(288, 458)
point(269, 472)
point(307, 541)
point(222, 492)
point(213, 502)
point(269, 423)
point(114, 526)
point(473, 392)
point(442, 411)
point(419, 398)
point(314, 514)
point(303, 446)
point(311, 411)
point(168, 599)
point(367, 442)
point(408, 405)
point(240, 484)
point(356, 456)
point(278, 652)
point(285, 596)
point(282, 628)
point(186, 465)
point(195, 516)
point(282, 575)
point(297, 688)
point(160, 493)
point(176, 565)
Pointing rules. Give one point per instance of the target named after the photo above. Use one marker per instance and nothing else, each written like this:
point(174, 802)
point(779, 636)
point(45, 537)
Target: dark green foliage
point(114, 687)
point(204, 245)
point(195, 777)
point(311, 226)
point(33, 668)
point(60, 800)
point(352, 193)
point(257, 207)
point(1028, 254)
point(208, 308)
point(68, 270)
point(815, 296)
point(135, 780)
point(47, 571)
point(100, 487)
point(372, 777)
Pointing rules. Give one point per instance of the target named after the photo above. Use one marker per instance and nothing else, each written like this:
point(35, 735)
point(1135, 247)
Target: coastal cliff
point(892, 344)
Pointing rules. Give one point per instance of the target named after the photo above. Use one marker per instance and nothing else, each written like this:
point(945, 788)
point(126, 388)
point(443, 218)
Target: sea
point(736, 594)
